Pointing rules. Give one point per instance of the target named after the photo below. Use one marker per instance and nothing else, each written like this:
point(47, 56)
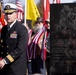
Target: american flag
point(35, 40)
point(32, 50)
point(20, 11)
point(46, 9)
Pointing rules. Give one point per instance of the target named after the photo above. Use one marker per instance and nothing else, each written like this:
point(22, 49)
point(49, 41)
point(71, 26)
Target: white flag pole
point(44, 67)
point(25, 12)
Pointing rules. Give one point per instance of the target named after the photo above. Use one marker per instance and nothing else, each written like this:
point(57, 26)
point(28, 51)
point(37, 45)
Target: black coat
point(13, 49)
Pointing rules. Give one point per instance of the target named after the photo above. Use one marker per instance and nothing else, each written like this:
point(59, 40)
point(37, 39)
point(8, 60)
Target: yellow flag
point(32, 12)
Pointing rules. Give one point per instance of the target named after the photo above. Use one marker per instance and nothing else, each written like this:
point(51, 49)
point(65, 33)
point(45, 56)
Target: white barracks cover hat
point(9, 8)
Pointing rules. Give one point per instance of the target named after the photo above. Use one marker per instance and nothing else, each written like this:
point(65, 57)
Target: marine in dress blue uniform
point(13, 46)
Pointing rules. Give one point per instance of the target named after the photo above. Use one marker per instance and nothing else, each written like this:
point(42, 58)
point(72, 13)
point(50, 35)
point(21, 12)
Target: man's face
point(38, 26)
point(10, 17)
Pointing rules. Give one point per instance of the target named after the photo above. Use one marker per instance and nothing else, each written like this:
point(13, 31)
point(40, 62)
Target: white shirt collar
point(12, 24)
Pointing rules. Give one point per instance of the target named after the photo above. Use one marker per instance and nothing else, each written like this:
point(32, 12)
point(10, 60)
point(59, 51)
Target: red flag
point(20, 12)
point(2, 21)
point(46, 9)
point(56, 1)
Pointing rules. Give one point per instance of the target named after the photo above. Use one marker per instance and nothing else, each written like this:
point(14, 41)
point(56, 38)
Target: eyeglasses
point(47, 22)
point(39, 22)
point(9, 13)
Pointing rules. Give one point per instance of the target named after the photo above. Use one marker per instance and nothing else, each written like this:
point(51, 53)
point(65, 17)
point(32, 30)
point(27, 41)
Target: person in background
point(38, 25)
point(14, 41)
point(47, 23)
point(36, 48)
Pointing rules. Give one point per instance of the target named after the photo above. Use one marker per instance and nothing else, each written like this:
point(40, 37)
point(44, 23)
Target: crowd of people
point(22, 49)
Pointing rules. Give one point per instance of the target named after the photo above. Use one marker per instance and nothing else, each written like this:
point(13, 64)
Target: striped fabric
point(20, 11)
point(35, 42)
point(44, 50)
point(32, 51)
point(29, 40)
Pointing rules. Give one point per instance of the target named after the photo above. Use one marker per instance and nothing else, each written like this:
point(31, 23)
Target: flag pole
point(43, 55)
point(44, 17)
point(44, 72)
point(25, 12)
point(46, 11)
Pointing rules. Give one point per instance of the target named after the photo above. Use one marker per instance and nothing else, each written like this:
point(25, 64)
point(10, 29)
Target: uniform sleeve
point(21, 46)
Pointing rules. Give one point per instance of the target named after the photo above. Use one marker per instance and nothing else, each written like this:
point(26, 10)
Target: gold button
point(13, 56)
point(7, 53)
point(1, 52)
point(46, 45)
point(7, 46)
point(2, 45)
point(1, 40)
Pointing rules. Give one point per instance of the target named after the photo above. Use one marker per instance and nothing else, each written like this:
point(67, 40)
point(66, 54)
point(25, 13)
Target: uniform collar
point(12, 24)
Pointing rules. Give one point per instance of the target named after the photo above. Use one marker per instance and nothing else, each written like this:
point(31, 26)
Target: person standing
point(35, 48)
point(14, 41)
point(47, 62)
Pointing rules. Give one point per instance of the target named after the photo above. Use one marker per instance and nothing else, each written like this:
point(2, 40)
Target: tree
point(11, 1)
point(40, 7)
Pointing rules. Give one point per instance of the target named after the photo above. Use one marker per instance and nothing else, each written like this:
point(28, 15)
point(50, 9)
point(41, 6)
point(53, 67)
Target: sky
point(36, 1)
point(22, 1)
